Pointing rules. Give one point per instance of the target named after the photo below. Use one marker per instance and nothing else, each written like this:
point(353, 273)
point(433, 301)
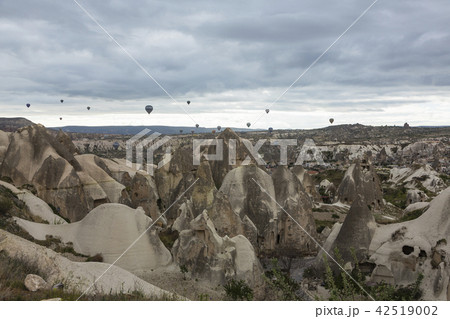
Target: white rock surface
point(35, 283)
point(110, 229)
point(36, 206)
point(77, 276)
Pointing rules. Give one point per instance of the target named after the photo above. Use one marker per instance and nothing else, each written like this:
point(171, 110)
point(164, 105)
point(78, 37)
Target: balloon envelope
point(188, 102)
point(196, 125)
point(62, 101)
point(267, 110)
point(149, 109)
point(270, 129)
point(331, 120)
point(248, 124)
point(88, 108)
point(219, 127)
point(28, 104)
point(60, 118)
point(116, 145)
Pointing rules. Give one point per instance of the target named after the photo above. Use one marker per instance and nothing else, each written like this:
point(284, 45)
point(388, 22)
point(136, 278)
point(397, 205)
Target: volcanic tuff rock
point(77, 276)
point(356, 231)
point(412, 177)
point(4, 143)
point(207, 255)
point(35, 157)
point(99, 187)
point(360, 179)
point(290, 238)
point(35, 205)
point(252, 196)
point(402, 251)
point(34, 282)
point(174, 179)
point(414, 196)
point(109, 230)
point(307, 182)
point(74, 184)
point(251, 193)
point(220, 168)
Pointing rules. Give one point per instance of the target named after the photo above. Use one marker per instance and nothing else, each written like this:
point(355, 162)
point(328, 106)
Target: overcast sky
point(231, 59)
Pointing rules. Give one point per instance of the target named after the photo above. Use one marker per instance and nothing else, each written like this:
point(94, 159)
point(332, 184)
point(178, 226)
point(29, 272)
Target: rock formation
point(402, 251)
point(356, 232)
point(290, 239)
point(77, 276)
point(109, 230)
point(307, 182)
point(361, 179)
point(207, 255)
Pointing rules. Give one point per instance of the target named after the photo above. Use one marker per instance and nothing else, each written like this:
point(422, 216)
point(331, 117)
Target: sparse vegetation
point(184, 271)
point(283, 286)
point(13, 271)
point(342, 287)
point(333, 175)
point(396, 196)
point(411, 215)
point(96, 258)
point(168, 237)
point(238, 290)
point(321, 224)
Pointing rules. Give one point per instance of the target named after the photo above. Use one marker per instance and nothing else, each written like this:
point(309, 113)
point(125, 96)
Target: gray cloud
point(218, 51)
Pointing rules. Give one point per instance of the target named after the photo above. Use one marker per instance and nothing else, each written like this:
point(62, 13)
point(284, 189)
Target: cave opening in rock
point(407, 249)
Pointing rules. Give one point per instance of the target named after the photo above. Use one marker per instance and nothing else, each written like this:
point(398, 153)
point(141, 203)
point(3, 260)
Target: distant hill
point(12, 124)
point(132, 130)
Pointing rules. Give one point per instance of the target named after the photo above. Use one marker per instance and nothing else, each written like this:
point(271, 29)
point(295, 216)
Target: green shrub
point(184, 271)
point(96, 258)
point(5, 205)
point(238, 290)
point(284, 286)
point(342, 287)
point(411, 215)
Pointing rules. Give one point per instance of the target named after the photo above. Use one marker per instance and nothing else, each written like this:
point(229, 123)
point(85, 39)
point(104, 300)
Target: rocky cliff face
point(356, 232)
point(205, 254)
point(74, 185)
point(35, 157)
point(253, 198)
point(361, 179)
point(4, 143)
point(402, 251)
point(221, 168)
point(295, 224)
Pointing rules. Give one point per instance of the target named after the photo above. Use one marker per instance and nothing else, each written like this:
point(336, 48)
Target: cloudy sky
point(231, 59)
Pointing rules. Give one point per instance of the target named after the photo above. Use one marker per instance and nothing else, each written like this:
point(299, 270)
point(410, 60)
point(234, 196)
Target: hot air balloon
point(219, 128)
point(270, 130)
point(192, 131)
point(28, 104)
point(116, 145)
point(196, 125)
point(181, 131)
point(267, 110)
point(88, 108)
point(331, 120)
point(188, 102)
point(248, 124)
point(62, 101)
point(149, 109)
point(60, 118)
point(213, 131)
